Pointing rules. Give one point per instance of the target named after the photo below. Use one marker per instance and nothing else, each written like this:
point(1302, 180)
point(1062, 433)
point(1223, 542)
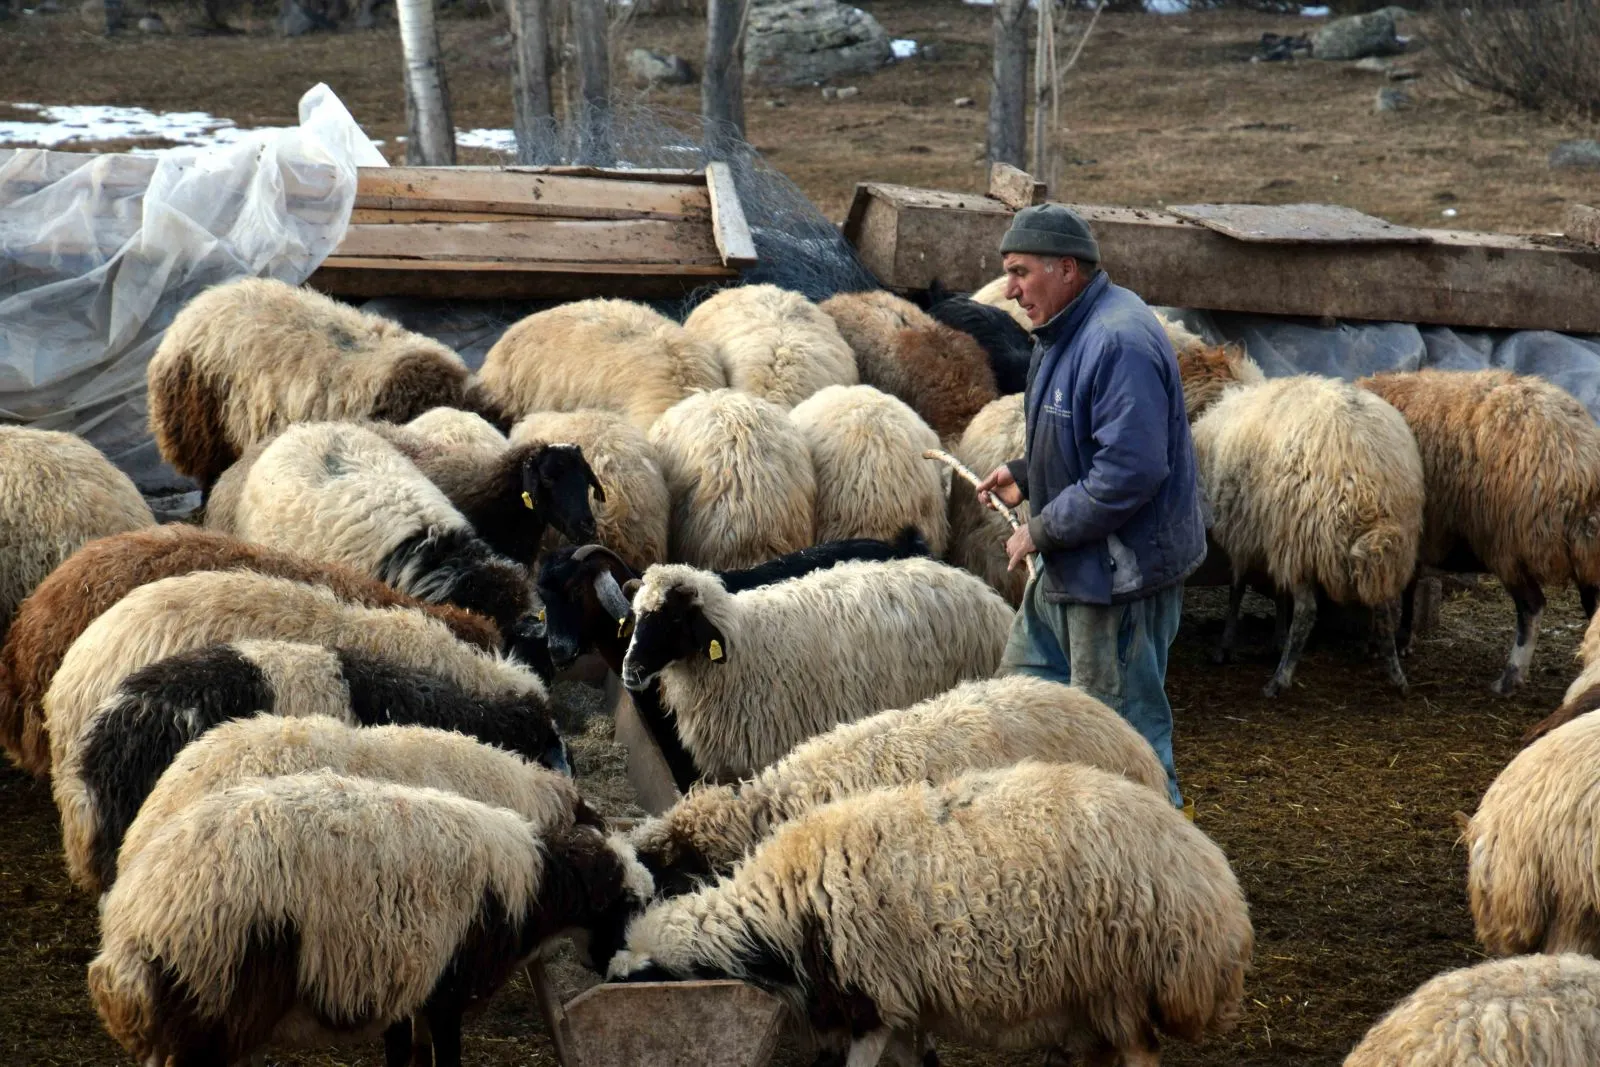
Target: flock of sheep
point(308, 755)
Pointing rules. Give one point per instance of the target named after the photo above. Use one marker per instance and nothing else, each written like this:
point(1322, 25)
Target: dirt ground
point(1159, 110)
point(1333, 804)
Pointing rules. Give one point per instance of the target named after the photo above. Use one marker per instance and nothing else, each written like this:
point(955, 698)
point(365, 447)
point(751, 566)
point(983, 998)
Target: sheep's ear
point(630, 587)
point(588, 474)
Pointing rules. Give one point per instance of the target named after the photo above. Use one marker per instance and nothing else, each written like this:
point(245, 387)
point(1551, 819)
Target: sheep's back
point(773, 343)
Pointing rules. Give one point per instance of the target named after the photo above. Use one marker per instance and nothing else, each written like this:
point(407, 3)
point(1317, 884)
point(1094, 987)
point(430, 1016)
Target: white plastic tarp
point(97, 258)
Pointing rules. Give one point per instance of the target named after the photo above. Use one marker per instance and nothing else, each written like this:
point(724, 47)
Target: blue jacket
point(1110, 469)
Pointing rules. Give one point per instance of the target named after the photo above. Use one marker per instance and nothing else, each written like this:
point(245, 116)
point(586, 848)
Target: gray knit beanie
point(1051, 230)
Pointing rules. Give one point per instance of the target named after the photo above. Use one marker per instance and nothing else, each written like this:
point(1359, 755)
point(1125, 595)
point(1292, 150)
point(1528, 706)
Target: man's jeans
point(1117, 653)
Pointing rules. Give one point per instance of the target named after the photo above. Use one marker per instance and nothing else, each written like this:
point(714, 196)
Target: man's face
point(1043, 285)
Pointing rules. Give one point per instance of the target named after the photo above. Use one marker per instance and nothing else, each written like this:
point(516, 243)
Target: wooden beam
point(1583, 224)
point(1013, 187)
point(910, 237)
point(622, 242)
point(367, 278)
point(528, 192)
point(728, 225)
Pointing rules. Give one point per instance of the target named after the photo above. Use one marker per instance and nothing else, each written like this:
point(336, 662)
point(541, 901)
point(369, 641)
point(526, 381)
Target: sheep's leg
point(1230, 624)
point(1408, 618)
point(1282, 610)
point(444, 1020)
point(1383, 624)
point(397, 1044)
point(1304, 617)
point(1590, 596)
point(912, 1048)
point(867, 1050)
point(1529, 599)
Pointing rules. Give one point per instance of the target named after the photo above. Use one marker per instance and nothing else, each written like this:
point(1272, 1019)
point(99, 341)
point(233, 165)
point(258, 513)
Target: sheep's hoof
point(1274, 687)
point(1507, 683)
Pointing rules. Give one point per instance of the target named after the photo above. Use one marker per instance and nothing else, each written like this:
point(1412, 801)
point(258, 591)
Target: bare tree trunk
point(722, 81)
point(533, 109)
point(431, 138)
point(1008, 101)
point(594, 81)
point(1046, 95)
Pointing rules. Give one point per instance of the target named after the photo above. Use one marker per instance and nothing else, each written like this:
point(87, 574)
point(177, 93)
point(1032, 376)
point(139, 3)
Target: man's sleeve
point(1019, 474)
point(1130, 412)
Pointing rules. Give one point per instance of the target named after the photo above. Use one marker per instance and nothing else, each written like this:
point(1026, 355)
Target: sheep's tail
point(123, 989)
point(1382, 561)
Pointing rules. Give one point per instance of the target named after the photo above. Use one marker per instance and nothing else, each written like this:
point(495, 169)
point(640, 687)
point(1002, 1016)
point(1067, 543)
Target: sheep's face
point(556, 480)
point(585, 606)
point(592, 889)
point(675, 630)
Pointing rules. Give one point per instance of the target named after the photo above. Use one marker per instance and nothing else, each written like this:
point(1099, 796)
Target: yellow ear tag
point(622, 626)
point(527, 500)
point(540, 615)
point(715, 652)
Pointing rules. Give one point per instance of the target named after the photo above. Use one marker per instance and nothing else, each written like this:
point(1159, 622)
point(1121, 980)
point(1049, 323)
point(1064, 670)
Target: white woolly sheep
point(1531, 847)
point(978, 534)
point(941, 372)
point(1039, 905)
point(245, 359)
point(459, 429)
point(740, 477)
point(773, 343)
point(1529, 514)
point(631, 517)
point(747, 676)
point(57, 492)
point(1530, 1011)
point(609, 354)
point(159, 709)
point(338, 908)
point(1317, 484)
point(339, 492)
point(993, 293)
point(975, 726)
point(176, 615)
point(872, 480)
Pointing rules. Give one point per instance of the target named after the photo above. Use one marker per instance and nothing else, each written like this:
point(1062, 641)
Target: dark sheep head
point(673, 626)
point(585, 605)
point(592, 886)
point(556, 480)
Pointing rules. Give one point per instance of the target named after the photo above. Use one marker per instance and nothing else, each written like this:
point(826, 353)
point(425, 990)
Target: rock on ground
point(799, 42)
point(1583, 153)
point(657, 68)
point(1357, 36)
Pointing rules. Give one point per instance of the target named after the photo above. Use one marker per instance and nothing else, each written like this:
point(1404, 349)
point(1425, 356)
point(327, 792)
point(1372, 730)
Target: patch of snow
point(1315, 12)
point(500, 140)
point(903, 49)
point(74, 124)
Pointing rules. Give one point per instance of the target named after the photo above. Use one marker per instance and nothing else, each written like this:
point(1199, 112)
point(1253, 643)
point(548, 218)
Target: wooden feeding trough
point(669, 1024)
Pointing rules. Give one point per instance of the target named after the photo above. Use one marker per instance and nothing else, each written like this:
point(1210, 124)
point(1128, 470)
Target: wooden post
point(533, 112)
point(722, 81)
point(1008, 93)
point(431, 138)
point(594, 81)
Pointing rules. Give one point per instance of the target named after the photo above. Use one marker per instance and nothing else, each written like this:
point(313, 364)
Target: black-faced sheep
point(57, 492)
point(338, 908)
point(1040, 905)
point(1530, 1011)
point(939, 371)
point(609, 354)
point(103, 571)
point(176, 615)
point(740, 477)
point(340, 492)
point(159, 709)
point(245, 359)
point(978, 534)
point(975, 726)
point(871, 477)
point(857, 637)
point(632, 511)
point(1317, 484)
point(1512, 467)
point(773, 343)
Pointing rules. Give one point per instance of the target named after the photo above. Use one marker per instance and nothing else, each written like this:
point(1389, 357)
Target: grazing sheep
point(338, 908)
point(270, 746)
point(57, 491)
point(459, 429)
point(631, 518)
point(160, 708)
point(740, 478)
point(104, 571)
point(1008, 345)
point(1317, 484)
point(245, 359)
point(1206, 370)
point(1531, 1011)
point(773, 343)
point(857, 638)
point(871, 477)
point(1531, 847)
point(176, 615)
point(1512, 465)
point(978, 534)
point(340, 492)
point(1039, 905)
point(975, 726)
point(941, 372)
point(609, 354)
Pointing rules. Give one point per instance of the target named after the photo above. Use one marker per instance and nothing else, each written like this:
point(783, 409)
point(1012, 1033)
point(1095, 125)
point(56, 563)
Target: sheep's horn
point(611, 598)
point(994, 502)
point(585, 551)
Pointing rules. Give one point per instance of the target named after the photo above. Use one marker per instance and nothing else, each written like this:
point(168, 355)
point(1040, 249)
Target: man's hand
point(1019, 547)
point(1002, 485)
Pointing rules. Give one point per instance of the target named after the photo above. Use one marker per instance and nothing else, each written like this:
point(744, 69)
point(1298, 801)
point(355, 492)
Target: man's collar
point(1051, 330)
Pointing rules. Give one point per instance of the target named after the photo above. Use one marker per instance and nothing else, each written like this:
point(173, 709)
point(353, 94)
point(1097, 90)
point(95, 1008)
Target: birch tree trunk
point(533, 110)
point(1008, 99)
point(431, 138)
point(594, 81)
point(722, 81)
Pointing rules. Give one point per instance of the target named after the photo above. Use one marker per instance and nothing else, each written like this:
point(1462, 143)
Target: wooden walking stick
point(994, 502)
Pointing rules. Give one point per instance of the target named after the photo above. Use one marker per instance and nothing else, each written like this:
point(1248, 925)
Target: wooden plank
point(1583, 224)
point(728, 226)
point(394, 216)
point(529, 191)
point(648, 772)
point(551, 1008)
point(446, 280)
point(1014, 187)
point(1295, 223)
point(621, 242)
point(672, 1024)
point(910, 237)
